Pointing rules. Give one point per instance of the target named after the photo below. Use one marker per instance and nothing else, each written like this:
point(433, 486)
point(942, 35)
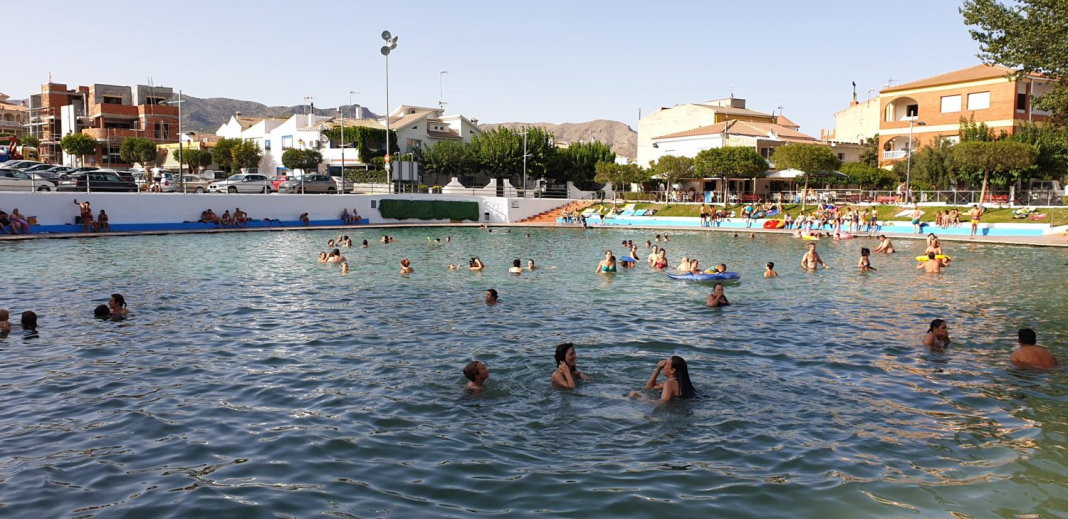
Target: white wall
point(685, 146)
point(143, 208)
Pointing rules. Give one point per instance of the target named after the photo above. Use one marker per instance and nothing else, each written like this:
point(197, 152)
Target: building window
point(159, 130)
point(112, 100)
point(950, 104)
point(267, 144)
point(166, 131)
point(912, 111)
point(287, 142)
point(841, 156)
point(979, 101)
point(154, 100)
point(1021, 102)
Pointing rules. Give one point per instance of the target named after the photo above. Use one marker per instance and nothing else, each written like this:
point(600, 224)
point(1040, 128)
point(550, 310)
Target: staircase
point(549, 217)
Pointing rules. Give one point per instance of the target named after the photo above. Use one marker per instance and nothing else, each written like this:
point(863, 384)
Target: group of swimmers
point(676, 383)
point(1029, 354)
point(116, 307)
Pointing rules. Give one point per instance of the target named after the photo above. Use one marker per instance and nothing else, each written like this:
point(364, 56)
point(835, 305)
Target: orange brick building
point(107, 113)
point(935, 105)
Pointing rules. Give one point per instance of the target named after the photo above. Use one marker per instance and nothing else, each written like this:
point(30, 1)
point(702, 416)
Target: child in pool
point(477, 373)
point(5, 326)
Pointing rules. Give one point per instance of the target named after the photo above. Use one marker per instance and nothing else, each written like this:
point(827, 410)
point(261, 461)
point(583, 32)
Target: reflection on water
point(253, 381)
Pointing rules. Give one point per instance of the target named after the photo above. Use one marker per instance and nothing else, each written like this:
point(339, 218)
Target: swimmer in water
point(937, 336)
point(1030, 355)
point(322, 256)
point(719, 269)
point(885, 246)
point(530, 265)
point(865, 263)
point(476, 265)
point(452, 266)
point(678, 383)
point(117, 305)
point(811, 260)
point(661, 260)
point(654, 255)
point(406, 266)
point(345, 268)
point(477, 373)
point(931, 266)
point(567, 373)
point(608, 264)
point(769, 270)
point(491, 297)
point(684, 265)
point(517, 267)
point(717, 297)
point(365, 244)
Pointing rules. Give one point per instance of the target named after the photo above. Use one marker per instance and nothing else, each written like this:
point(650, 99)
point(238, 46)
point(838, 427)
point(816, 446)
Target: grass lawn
point(1054, 216)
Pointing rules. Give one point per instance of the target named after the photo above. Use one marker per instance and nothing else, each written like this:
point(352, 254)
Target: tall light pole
point(391, 43)
point(525, 155)
point(908, 166)
point(342, 110)
point(441, 89)
point(181, 175)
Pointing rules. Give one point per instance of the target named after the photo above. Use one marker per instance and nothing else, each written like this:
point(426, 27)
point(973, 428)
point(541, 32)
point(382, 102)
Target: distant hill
point(621, 138)
point(208, 114)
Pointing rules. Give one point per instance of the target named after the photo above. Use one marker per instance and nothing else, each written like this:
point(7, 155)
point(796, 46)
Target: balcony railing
point(13, 124)
point(896, 154)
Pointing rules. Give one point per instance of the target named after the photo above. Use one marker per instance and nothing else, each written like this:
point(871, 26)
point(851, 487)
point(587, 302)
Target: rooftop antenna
point(780, 111)
point(308, 99)
point(890, 82)
point(870, 90)
point(732, 91)
point(441, 89)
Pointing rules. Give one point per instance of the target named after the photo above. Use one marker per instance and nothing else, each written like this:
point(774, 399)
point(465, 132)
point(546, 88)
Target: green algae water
point(252, 381)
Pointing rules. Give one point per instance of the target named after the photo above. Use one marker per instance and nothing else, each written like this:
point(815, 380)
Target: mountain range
point(208, 114)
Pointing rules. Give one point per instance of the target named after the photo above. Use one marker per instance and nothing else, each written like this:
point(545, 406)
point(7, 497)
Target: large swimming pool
point(252, 381)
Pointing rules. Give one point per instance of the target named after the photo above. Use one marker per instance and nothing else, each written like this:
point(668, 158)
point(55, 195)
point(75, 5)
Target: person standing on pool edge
point(566, 371)
point(975, 213)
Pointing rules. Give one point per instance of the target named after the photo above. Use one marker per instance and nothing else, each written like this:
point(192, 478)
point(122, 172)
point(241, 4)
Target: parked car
point(213, 174)
point(15, 180)
point(193, 184)
point(21, 164)
point(242, 183)
point(277, 181)
point(96, 181)
point(309, 184)
point(59, 169)
point(82, 169)
point(38, 167)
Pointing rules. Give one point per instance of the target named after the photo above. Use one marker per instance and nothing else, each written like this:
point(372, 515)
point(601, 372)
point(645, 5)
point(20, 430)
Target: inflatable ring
point(724, 276)
point(772, 224)
point(940, 256)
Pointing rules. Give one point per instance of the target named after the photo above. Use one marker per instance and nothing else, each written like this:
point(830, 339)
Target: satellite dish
point(386, 35)
point(385, 51)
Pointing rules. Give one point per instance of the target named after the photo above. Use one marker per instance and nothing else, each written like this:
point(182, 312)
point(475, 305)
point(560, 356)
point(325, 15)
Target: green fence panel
point(428, 210)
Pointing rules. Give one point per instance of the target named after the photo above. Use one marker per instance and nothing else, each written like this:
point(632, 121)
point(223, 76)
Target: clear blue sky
point(531, 61)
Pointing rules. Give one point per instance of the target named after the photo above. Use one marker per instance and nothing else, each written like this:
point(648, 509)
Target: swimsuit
point(608, 269)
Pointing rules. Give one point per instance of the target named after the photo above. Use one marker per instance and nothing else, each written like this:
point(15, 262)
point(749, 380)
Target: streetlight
point(525, 155)
point(391, 43)
point(342, 110)
point(908, 166)
point(181, 175)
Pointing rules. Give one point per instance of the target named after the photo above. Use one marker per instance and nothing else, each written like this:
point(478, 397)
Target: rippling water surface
point(252, 381)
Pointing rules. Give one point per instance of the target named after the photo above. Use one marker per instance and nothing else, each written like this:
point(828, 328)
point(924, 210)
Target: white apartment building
point(415, 126)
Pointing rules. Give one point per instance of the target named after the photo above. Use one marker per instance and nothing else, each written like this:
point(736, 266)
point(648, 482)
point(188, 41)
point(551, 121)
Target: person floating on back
point(1030, 355)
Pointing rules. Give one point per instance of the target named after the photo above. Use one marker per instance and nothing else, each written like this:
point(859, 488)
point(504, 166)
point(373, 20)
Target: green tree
point(730, 162)
point(932, 166)
point(195, 159)
point(869, 154)
point(448, 159)
point(138, 150)
point(867, 176)
point(1000, 162)
point(305, 160)
point(577, 161)
point(810, 159)
point(223, 154)
point(245, 154)
point(1052, 144)
point(672, 169)
point(30, 140)
point(1028, 35)
point(498, 152)
point(79, 144)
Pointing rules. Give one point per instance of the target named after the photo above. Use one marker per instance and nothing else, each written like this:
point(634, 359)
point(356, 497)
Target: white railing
point(15, 124)
point(896, 154)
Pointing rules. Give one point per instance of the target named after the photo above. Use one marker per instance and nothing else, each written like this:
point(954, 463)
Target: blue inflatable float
point(725, 276)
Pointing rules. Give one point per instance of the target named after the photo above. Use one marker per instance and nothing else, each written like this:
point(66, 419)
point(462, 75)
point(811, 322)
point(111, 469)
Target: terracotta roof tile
point(975, 73)
point(746, 128)
point(781, 120)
